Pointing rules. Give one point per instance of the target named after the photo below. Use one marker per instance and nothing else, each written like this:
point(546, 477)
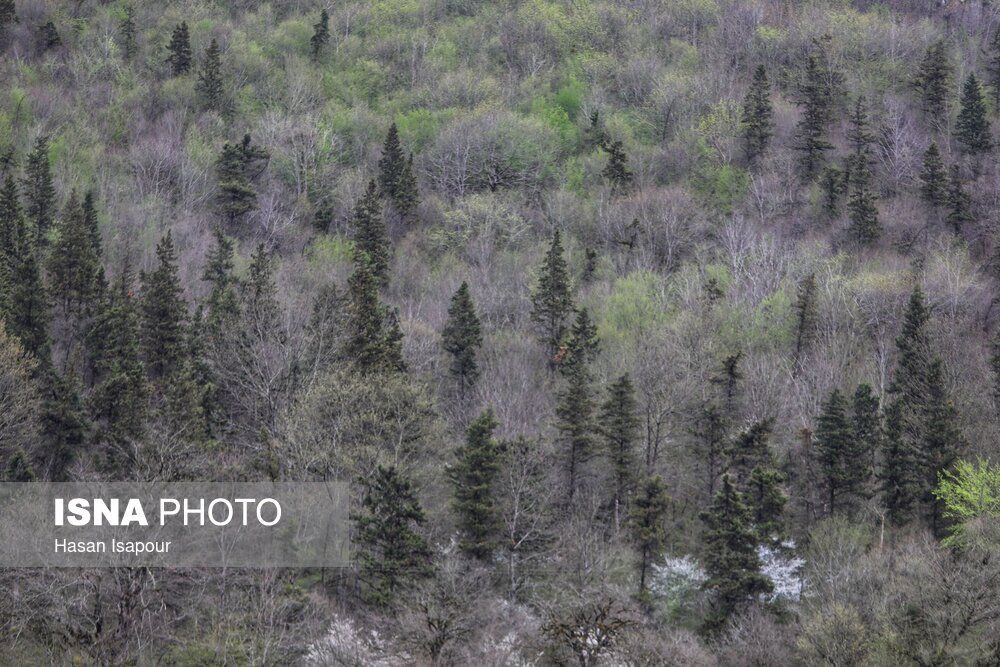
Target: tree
point(866, 426)
point(933, 179)
point(756, 120)
point(972, 128)
point(373, 338)
point(749, 450)
point(392, 555)
point(575, 415)
point(39, 193)
point(728, 379)
point(992, 68)
point(861, 203)
point(8, 15)
point(472, 478)
point(969, 496)
point(126, 34)
point(934, 81)
point(237, 166)
point(619, 425)
point(48, 36)
point(958, 202)
point(806, 315)
point(942, 442)
point(74, 268)
point(766, 500)
point(63, 424)
point(840, 455)
point(582, 341)
point(391, 164)
point(898, 474)
point(209, 85)
point(711, 446)
point(223, 305)
point(180, 50)
point(321, 34)
point(164, 313)
point(731, 561)
point(370, 237)
point(462, 338)
point(91, 223)
point(550, 299)
point(810, 135)
point(995, 367)
point(616, 171)
point(27, 307)
point(407, 195)
point(833, 185)
point(646, 523)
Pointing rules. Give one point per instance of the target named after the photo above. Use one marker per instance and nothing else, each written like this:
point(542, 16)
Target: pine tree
point(619, 425)
point(616, 171)
point(39, 193)
point(209, 85)
point(63, 424)
point(766, 500)
point(180, 50)
point(646, 519)
point(972, 128)
point(258, 294)
point(942, 442)
point(407, 195)
point(164, 313)
point(811, 132)
point(462, 338)
point(126, 34)
point(237, 166)
point(958, 202)
point(806, 316)
point(550, 300)
point(575, 416)
point(861, 203)
point(840, 455)
point(731, 561)
point(48, 36)
point(73, 266)
point(222, 304)
point(321, 34)
point(757, 126)
point(374, 343)
point(370, 237)
point(934, 81)
point(472, 479)
point(391, 164)
point(866, 428)
point(392, 554)
point(933, 179)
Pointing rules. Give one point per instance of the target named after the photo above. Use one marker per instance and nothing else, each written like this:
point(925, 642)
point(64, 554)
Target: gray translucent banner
point(178, 524)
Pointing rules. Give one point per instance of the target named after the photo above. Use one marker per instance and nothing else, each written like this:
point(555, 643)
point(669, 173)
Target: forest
point(645, 332)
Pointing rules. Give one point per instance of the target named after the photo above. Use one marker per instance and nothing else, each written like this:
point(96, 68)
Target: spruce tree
point(575, 415)
point(550, 300)
point(757, 126)
point(728, 380)
point(582, 340)
point(616, 171)
point(27, 306)
point(126, 34)
point(993, 68)
point(972, 128)
point(958, 203)
point(806, 316)
point(942, 442)
point(646, 521)
point(934, 82)
point(866, 425)
point(731, 561)
point(618, 424)
point(92, 223)
point(861, 202)
point(63, 424)
point(833, 185)
point(39, 193)
point(407, 195)
point(749, 450)
point(841, 457)
point(898, 469)
point(164, 313)
point(766, 500)
point(811, 131)
point(222, 303)
point(321, 34)
point(472, 478)
point(933, 179)
point(235, 169)
point(370, 236)
point(859, 133)
point(391, 164)
point(73, 266)
point(180, 50)
point(995, 367)
point(374, 342)
point(209, 85)
point(462, 338)
point(392, 555)
point(710, 443)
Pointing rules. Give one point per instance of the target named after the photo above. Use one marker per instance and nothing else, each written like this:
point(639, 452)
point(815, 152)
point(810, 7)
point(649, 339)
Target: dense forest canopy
point(645, 332)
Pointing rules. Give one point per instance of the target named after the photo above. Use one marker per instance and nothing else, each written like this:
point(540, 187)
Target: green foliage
point(958, 202)
point(374, 341)
point(756, 118)
point(972, 128)
point(235, 169)
point(934, 81)
point(720, 187)
point(472, 477)
point(646, 523)
point(180, 50)
point(371, 241)
point(462, 338)
point(550, 299)
point(39, 192)
point(570, 97)
point(164, 313)
point(933, 179)
point(209, 86)
point(970, 496)
point(618, 423)
point(321, 34)
point(810, 135)
point(841, 456)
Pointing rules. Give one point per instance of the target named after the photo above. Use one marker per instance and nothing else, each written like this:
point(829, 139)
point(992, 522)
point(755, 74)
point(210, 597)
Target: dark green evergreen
point(993, 68)
point(126, 34)
point(222, 305)
point(934, 82)
point(39, 192)
point(646, 524)
point(749, 450)
point(958, 202)
point(810, 135)
point(74, 269)
point(841, 457)
point(374, 342)
point(180, 50)
point(27, 313)
point(728, 380)
point(238, 165)
point(370, 236)
point(164, 313)
point(582, 341)
point(472, 477)
point(550, 300)
point(462, 337)
point(942, 443)
point(806, 316)
point(766, 500)
point(618, 424)
point(48, 37)
point(407, 195)
point(92, 223)
point(866, 423)
point(321, 34)
point(575, 409)
point(710, 446)
point(933, 178)
point(391, 164)
point(209, 85)
point(616, 171)
point(833, 185)
point(972, 127)
point(756, 120)
point(898, 469)
point(63, 424)
point(861, 204)
point(391, 553)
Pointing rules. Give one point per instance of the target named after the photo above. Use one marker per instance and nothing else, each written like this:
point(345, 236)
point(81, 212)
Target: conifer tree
point(619, 425)
point(27, 307)
point(8, 15)
point(749, 450)
point(728, 380)
point(462, 338)
point(866, 426)
point(972, 128)
point(766, 500)
point(942, 442)
point(63, 424)
point(806, 315)
point(992, 68)
point(958, 202)
point(370, 237)
point(472, 478)
point(39, 193)
point(164, 313)
point(582, 340)
point(616, 171)
point(392, 555)
point(995, 367)
point(48, 36)
point(258, 294)
point(833, 184)
point(10, 225)
point(731, 561)
point(711, 446)
point(757, 126)
point(840, 455)
point(898, 473)
point(126, 34)
point(934, 81)
point(859, 133)
point(933, 179)
point(407, 195)
point(180, 50)
point(321, 34)
point(73, 267)
point(222, 302)
point(374, 342)
point(861, 203)
point(237, 166)
point(575, 414)
point(646, 523)
point(91, 223)
point(391, 164)
point(811, 131)
point(550, 300)
point(209, 85)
